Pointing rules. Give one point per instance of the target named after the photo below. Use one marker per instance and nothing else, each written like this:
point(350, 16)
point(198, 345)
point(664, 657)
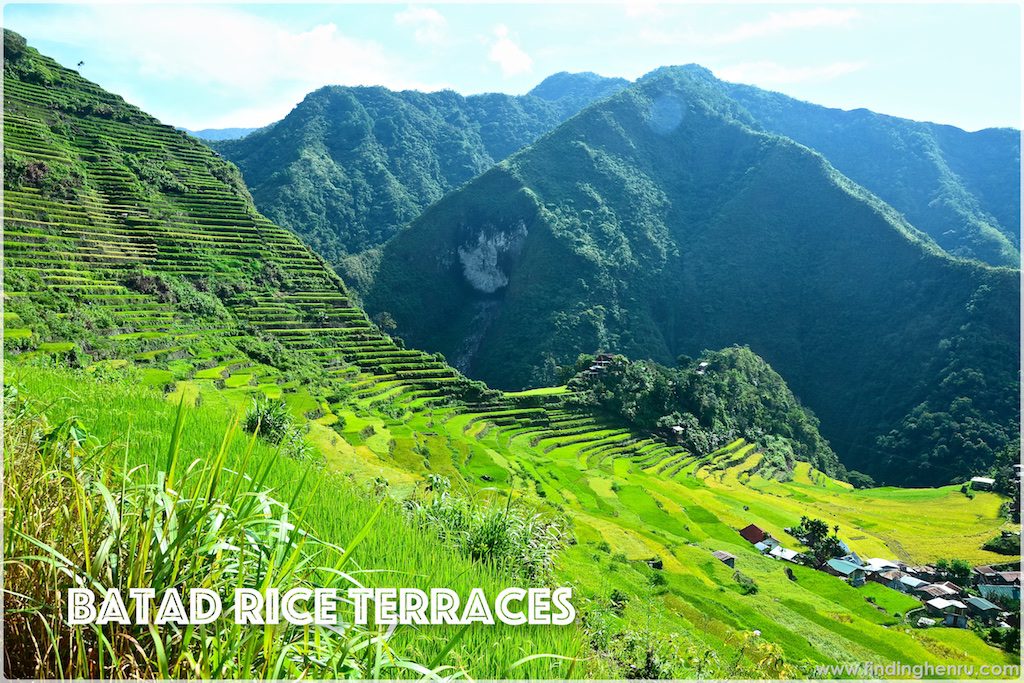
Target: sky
point(246, 65)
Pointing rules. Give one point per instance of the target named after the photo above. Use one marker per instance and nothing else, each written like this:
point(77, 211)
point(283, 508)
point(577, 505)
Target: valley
point(150, 305)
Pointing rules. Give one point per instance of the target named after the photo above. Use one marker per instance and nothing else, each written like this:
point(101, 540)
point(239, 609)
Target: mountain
point(962, 189)
point(663, 221)
point(350, 165)
point(218, 134)
point(159, 332)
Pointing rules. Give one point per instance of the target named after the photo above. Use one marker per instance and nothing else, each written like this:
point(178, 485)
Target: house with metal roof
point(982, 609)
point(728, 558)
point(847, 570)
point(953, 612)
point(982, 483)
point(753, 533)
point(780, 553)
point(909, 584)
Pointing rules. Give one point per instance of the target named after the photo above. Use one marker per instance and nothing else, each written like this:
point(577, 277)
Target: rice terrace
point(194, 397)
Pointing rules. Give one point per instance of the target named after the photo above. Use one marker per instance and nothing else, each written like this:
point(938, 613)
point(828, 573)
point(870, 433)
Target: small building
point(952, 612)
point(984, 574)
point(925, 622)
point(702, 367)
point(780, 553)
point(982, 609)
point(950, 586)
point(727, 558)
point(762, 547)
point(1009, 578)
point(910, 584)
point(889, 578)
point(854, 558)
point(982, 483)
point(934, 590)
point(753, 533)
point(847, 570)
point(999, 593)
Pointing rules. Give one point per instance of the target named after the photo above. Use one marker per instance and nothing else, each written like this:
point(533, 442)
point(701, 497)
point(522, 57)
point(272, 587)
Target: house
point(854, 558)
point(780, 553)
point(890, 578)
point(934, 590)
point(949, 585)
point(753, 533)
point(877, 564)
point(925, 622)
point(953, 612)
point(924, 571)
point(910, 584)
point(999, 593)
point(1009, 578)
point(984, 574)
point(702, 367)
point(982, 483)
point(762, 547)
point(847, 570)
point(728, 558)
point(982, 609)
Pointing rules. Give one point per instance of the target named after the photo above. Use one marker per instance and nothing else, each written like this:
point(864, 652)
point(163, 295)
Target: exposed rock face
point(483, 259)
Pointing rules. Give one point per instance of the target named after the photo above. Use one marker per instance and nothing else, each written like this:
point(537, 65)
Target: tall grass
point(74, 521)
point(60, 484)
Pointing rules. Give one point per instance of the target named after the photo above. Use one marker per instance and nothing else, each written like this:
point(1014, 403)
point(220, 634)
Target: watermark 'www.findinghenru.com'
point(870, 670)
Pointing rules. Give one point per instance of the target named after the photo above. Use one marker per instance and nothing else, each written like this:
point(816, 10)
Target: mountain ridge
point(606, 232)
point(351, 164)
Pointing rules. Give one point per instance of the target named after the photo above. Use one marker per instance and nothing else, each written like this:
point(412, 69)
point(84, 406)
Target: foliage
point(722, 396)
point(943, 179)
point(73, 520)
point(956, 570)
point(498, 533)
point(1006, 543)
point(821, 545)
point(350, 165)
point(655, 240)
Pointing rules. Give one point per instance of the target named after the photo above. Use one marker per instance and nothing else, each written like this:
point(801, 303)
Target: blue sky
point(206, 65)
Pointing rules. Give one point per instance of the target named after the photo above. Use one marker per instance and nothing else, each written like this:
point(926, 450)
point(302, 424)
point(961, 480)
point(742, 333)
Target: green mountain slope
point(138, 276)
point(962, 189)
point(661, 222)
point(350, 165)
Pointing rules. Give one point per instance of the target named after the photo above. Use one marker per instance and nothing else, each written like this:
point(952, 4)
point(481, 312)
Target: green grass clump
point(74, 520)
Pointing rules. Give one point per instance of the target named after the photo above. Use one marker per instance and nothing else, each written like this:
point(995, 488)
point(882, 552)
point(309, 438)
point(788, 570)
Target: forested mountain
point(350, 165)
point(962, 189)
point(663, 221)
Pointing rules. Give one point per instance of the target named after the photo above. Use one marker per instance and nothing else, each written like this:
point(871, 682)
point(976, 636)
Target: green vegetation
point(1004, 544)
point(349, 166)
point(140, 294)
point(662, 221)
point(962, 189)
point(74, 518)
point(722, 396)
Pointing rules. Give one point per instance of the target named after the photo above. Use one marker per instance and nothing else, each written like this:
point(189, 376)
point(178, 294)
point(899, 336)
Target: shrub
point(504, 534)
point(269, 419)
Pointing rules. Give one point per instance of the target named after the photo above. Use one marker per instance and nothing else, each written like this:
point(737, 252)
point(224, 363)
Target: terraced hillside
point(136, 241)
point(134, 256)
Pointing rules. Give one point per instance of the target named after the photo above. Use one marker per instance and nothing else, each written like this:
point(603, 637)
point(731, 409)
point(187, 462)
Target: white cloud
point(507, 54)
point(771, 73)
point(239, 55)
point(774, 24)
point(643, 8)
point(429, 26)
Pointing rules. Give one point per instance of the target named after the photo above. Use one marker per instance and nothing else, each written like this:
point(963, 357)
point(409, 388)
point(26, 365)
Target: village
point(982, 595)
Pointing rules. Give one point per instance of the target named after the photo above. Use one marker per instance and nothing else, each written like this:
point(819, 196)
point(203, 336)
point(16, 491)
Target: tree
point(821, 546)
point(385, 321)
point(957, 571)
